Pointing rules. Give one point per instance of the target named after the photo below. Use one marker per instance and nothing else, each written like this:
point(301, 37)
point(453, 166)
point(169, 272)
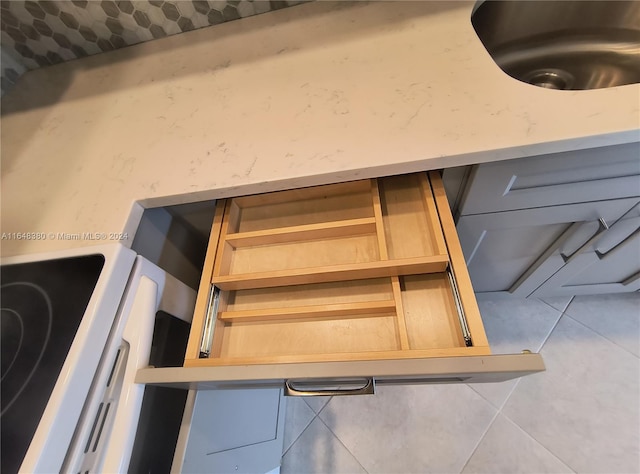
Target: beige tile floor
point(581, 415)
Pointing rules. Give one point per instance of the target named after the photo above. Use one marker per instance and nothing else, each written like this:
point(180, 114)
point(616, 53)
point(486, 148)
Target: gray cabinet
point(577, 176)
point(517, 251)
point(239, 431)
point(611, 264)
point(561, 224)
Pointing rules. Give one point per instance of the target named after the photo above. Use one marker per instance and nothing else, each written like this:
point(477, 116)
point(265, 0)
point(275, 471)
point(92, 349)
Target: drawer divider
point(402, 323)
point(350, 271)
point(325, 230)
point(325, 311)
point(377, 213)
point(223, 253)
point(432, 214)
point(403, 333)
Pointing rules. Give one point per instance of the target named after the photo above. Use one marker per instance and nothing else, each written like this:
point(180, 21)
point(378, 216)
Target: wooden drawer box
point(360, 279)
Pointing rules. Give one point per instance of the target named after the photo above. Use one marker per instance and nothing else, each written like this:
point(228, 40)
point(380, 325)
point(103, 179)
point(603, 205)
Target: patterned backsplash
point(41, 33)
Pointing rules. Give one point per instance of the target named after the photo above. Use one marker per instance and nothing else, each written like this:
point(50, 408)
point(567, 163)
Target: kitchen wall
point(41, 33)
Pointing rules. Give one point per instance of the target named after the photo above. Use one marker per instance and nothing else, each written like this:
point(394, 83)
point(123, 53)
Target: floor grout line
point(563, 314)
point(561, 310)
point(481, 395)
point(499, 410)
point(602, 335)
point(536, 440)
point(551, 332)
point(315, 415)
point(484, 433)
point(502, 405)
point(340, 441)
point(323, 406)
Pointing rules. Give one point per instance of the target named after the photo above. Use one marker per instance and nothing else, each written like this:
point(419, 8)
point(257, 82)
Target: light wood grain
point(355, 291)
point(382, 355)
point(377, 214)
point(325, 230)
point(200, 311)
point(325, 311)
point(408, 232)
point(306, 254)
point(224, 252)
point(303, 337)
point(355, 271)
point(312, 291)
point(384, 255)
point(458, 264)
point(310, 206)
point(430, 312)
point(296, 195)
point(437, 237)
point(403, 332)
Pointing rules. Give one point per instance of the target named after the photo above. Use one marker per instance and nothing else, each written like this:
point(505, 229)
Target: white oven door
point(104, 438)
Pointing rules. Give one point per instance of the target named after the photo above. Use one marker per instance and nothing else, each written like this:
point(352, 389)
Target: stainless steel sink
point(563, 44)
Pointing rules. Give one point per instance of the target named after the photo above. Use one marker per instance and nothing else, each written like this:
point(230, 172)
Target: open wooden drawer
point(347, 282)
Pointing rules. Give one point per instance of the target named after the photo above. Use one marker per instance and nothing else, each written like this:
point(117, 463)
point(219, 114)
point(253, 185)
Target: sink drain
point(550, 79)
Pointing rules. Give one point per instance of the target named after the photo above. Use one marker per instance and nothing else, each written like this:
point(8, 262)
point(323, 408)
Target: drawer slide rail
point(209, 323)
point(466, 334)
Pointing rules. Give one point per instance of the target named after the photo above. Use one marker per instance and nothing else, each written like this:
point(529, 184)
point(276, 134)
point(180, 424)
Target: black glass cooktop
point(42, 304)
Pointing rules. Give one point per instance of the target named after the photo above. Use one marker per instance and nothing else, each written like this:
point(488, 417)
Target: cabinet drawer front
point(609, 265)
point(475, 369)
point(372, 284)
point(517, 251)
point(561, 178)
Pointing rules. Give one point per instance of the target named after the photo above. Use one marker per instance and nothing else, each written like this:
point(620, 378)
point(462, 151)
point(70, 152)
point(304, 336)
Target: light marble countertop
point(318, 93)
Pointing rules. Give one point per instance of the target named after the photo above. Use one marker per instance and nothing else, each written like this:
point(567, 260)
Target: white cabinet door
point(231, 431)
point(517, 251)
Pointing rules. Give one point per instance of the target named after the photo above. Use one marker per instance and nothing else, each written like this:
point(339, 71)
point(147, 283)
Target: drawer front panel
point(474, 369)
point(561, 178)
point(609, 264)
point(517, 251)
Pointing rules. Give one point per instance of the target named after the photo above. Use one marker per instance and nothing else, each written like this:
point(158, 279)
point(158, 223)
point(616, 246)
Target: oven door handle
point(138, 333)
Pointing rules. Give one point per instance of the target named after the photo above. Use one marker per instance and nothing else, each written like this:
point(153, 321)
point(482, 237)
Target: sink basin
point(563, 44)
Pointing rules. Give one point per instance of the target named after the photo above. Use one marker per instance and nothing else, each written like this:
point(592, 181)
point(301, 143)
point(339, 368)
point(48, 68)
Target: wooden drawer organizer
point(365, 270)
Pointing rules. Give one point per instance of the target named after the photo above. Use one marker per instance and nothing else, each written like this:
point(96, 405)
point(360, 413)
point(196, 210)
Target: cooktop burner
point(41, 307)
point(27, 317)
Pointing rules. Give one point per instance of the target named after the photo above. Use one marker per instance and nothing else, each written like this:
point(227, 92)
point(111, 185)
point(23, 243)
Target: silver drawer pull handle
point(626, 241)
point(633, 279)
point(602, 227)
point(367, 389)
